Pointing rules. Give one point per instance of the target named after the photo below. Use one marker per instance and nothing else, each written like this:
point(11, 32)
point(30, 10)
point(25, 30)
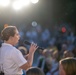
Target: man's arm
point(29, 62)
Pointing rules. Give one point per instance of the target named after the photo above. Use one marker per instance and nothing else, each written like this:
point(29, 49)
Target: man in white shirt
point(12, 60)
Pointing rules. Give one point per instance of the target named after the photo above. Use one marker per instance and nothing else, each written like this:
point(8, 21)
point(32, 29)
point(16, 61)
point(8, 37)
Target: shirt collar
point(6, 44)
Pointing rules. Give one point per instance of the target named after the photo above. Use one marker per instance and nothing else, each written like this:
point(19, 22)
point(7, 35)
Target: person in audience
point(23, 50)
point(68, 54)
point(55, 64)
point(12, 59)
point(67, 66)
point(24, 53)
point(63, 48)
point(34, 71)
point(42, 61)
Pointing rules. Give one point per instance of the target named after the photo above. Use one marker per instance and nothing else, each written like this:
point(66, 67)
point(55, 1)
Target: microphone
point(28, 43)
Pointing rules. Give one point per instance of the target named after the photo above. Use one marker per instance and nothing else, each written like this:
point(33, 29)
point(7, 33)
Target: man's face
point(16, 37)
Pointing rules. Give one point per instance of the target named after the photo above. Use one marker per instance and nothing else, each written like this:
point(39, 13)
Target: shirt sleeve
point(18, 57)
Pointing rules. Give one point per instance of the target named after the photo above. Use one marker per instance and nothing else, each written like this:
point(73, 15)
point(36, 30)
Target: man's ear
point(11, 38)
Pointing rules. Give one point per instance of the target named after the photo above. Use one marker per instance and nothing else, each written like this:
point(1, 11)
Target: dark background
point(45, 12)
